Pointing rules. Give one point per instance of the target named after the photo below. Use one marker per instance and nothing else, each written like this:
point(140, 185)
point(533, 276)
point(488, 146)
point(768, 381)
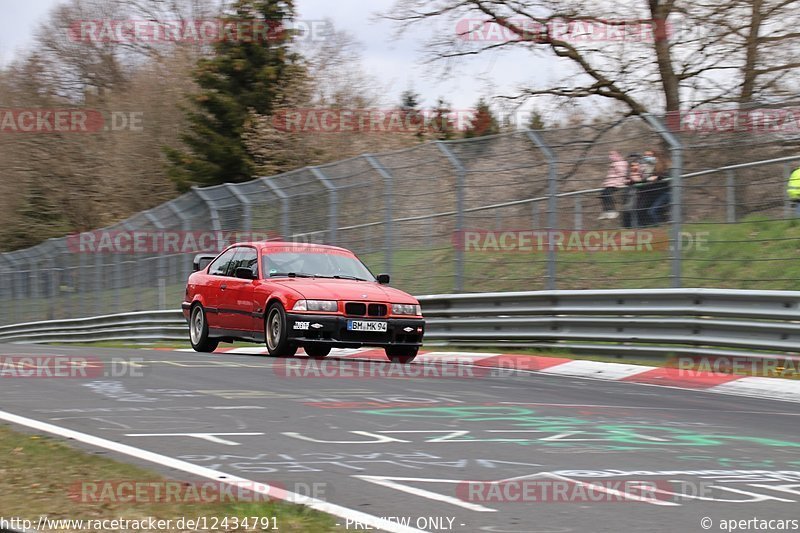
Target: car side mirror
point(245, 273)
point(201, 261)
point(384, 279)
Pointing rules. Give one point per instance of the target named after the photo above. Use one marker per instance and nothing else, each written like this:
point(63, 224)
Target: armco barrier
point(638, 323)
point(143, 326)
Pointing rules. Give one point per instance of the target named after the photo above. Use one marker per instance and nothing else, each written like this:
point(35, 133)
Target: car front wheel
point(198, 331)
point(401, 354)
point(276, 332)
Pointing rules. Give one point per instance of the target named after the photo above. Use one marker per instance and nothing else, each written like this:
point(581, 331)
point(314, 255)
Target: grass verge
point(39, 474)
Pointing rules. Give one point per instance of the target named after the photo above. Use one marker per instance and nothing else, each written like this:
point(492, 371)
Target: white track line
point(291, 497)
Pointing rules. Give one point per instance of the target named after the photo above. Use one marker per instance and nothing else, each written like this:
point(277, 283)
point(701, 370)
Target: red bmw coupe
point(298, 295)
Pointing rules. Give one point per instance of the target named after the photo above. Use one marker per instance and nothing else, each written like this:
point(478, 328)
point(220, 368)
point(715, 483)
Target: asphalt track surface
point(404, 448)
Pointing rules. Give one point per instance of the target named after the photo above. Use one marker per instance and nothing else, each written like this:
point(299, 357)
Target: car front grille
point(377, 310)
point(363, 309)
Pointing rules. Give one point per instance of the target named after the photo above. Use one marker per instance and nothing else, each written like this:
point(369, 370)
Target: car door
point(236, 295)
point(217, 275)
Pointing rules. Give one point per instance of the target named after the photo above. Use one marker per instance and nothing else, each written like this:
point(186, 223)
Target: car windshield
point(318, 265)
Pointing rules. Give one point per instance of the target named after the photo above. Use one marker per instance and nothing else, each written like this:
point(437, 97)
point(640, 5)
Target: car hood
point(339, 289)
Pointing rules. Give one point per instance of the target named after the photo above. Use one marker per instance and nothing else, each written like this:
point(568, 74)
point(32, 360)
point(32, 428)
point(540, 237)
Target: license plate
point(360, 325)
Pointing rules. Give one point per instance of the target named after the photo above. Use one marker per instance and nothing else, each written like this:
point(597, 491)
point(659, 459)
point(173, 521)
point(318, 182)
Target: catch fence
point(517, 211)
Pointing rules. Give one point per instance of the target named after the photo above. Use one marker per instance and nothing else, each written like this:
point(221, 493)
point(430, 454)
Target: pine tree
point(247, 72)
point(537, 121)
point(409, 109)
point(442, 128)
point(410, 101)
point(483, 123)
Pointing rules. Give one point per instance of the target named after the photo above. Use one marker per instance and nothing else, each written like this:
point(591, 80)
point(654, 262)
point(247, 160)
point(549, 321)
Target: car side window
point(246, 257)
point(221, 266)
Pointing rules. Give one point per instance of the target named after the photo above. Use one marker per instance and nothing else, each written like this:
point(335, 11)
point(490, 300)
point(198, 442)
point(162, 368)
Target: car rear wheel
point(198, 331)
point(401, 354)
point(276, 332)
point(317, 351)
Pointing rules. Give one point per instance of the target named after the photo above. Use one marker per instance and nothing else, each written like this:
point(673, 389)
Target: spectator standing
point(793, 190)
point(661, 195)
point(616, 178)
point(629, 215)
point(647, 190)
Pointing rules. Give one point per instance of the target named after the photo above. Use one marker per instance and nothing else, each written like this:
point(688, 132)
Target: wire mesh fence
point(517, 211)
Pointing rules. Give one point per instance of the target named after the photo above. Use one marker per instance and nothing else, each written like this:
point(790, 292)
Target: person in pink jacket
point(617, 178)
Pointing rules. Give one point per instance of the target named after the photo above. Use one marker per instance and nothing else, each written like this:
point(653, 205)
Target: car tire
point(276, 333)
point(401, 354)
point(198, 331)
point(317, 351)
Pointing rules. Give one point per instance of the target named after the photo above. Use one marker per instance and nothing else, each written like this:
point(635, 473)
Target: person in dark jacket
point(659, 191)
point(629, 209)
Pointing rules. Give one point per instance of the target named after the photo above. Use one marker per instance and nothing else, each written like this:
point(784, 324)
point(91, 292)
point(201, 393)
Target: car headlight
point(406, 309)
point(327, 306)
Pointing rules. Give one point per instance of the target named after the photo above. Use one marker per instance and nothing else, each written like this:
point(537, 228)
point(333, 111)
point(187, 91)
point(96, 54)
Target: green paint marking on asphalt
point(571, 431)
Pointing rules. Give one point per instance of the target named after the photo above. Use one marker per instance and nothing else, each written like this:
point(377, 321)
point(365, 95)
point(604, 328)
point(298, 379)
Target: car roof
point(266, 246)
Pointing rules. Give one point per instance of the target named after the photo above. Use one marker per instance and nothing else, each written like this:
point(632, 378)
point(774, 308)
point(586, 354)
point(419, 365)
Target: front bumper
point(333, 330)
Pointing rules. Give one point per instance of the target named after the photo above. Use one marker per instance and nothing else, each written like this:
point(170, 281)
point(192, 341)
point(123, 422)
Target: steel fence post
point(388, 205)
point(119, 266)
point(21, 308)
point(8, 289)
point(246, 206)
point(55, 289)
point(80, 292)
point(461, 176)
point(333, 199)
point(99, 281)
point(212, 208)
point(161, 279)
point(117, 284)
point(34, 293)
point(676, 188)
point(185, 227)
point(578, 212)
point(286, 228)
point(552, 205)
point(731, 196)
point(55, 283)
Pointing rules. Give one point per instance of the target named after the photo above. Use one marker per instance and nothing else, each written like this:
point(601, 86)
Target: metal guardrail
point(143, 326)
point(642, 323)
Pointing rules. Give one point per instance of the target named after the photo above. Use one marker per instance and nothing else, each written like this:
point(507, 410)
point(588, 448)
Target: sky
point(397, 63)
